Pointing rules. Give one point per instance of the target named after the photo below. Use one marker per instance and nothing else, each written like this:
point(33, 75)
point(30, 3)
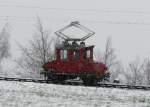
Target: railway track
point(78, 83)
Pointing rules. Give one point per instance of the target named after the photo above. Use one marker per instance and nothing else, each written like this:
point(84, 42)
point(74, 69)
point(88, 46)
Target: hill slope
point(17, 94)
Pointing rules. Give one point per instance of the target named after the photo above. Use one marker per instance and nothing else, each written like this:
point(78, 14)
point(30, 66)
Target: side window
point(76, 55)
point(63, 54)
point(88, 54)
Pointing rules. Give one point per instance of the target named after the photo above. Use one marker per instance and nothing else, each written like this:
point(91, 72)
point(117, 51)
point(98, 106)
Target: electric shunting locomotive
point(74, 59)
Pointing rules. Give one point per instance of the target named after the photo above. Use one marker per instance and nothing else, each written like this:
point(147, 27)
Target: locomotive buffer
point(74, 59)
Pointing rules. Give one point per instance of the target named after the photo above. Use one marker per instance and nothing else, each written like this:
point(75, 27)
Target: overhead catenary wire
point(32, 19)
point(78, 10)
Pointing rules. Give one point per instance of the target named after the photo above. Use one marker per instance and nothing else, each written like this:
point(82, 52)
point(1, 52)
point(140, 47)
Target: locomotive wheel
point(58, 79)
point(89, 81)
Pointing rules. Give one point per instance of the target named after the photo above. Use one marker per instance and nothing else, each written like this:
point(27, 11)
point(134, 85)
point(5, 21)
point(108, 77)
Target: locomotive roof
point(71, 47)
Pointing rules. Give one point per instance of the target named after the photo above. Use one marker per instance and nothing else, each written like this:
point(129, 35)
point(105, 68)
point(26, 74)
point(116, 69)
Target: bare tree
point(4, 43)
point(37, 52)
point(135, 74)
point(116, 72)
point(146, 69)
point(109, 56)
point(110, 59)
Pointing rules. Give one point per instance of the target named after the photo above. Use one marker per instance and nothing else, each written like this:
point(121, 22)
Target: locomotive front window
point(76, 55)
point(88, 54)
point(63, 55)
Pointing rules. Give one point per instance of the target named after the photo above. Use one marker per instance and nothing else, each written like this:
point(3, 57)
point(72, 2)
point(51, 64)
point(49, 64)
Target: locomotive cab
point(79, 53)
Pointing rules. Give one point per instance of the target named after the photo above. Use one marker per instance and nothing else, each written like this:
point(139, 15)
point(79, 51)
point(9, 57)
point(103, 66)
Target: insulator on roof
point(65, 43)
point(82, 44)
point(74, 43)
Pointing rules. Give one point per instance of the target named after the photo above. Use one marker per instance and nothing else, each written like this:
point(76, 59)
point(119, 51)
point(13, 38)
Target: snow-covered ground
point(17, 94)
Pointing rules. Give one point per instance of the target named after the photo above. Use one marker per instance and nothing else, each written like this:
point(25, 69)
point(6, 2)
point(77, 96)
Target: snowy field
point(17, 94)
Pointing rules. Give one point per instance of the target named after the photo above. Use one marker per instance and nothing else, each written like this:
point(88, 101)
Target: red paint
point(73, 66)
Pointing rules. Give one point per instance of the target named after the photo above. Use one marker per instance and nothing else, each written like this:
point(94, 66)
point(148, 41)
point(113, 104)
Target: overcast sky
point(126, 21)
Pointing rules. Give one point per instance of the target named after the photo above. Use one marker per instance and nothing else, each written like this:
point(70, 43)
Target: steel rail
point(77, 83)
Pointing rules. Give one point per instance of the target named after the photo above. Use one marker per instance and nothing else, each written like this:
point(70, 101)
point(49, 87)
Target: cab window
point(87, 54)
point(63, 55)
point(76, 55)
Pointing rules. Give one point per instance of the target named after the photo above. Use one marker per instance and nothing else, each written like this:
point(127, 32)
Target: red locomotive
point(75, 59)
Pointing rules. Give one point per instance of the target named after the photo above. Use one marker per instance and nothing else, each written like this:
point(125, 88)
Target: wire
point(31, 19)
point(78, 10)
point(119, 22)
